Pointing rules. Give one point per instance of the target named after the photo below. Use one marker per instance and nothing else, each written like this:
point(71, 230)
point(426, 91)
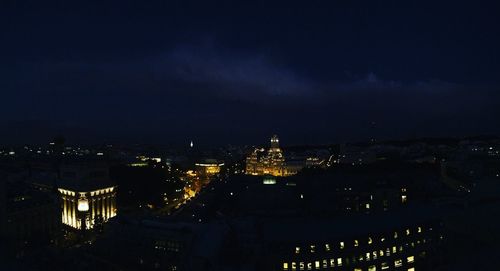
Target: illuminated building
point(313, 162)
point(144, 161)
point(87, 206)
point(272, 162)
point(358, 243)
point(87, 196)
point(209, 167)
point(269, 180)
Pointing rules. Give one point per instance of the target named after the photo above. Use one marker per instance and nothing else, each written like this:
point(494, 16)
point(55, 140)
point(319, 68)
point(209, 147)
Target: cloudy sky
point(229, 72)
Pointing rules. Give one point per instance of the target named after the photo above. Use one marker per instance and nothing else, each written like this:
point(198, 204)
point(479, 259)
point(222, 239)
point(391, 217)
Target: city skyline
point(263, 135)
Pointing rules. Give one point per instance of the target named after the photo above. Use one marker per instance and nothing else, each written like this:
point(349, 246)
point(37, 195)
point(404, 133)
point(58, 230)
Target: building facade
point(405, 239)
point(88, 206)
point(401, 249)
point(270, 162)
point(29, 218)
point(87, 195)
point(208, 167)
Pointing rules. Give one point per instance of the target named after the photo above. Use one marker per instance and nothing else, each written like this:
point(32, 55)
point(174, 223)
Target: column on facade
point(110, 208)
point(73, 209)
point(93, 210)
point(113, 204)
point(103, 205)
point(64, 211)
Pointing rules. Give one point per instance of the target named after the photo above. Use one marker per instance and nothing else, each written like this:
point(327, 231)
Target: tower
point(275, 142)
point(275, 160)
point(272, 162)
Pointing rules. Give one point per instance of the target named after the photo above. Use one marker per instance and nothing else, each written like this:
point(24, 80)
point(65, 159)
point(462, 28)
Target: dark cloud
point(312, 72)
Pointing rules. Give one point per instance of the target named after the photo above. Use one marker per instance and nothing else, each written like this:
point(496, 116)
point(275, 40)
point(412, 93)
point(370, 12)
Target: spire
point(275, 142)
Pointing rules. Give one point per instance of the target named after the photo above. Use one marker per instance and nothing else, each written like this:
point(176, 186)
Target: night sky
point(228, 72)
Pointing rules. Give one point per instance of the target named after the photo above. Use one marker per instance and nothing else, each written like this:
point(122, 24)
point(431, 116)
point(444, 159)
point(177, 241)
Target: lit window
point(411, 269)
point(374, 254)
point(341, 245)
point(388, 252)
point(370, 240)
point(394, 249)
point(285, 266)
point(358, 269)
point(294, 266)
point(332, 262)
point(367, 206)
point(372, 268)
point(398, 263)
point(297, 250)
point(302, 266)
point(309, 266)
point(419, 229)
point(312, 248)
point(339, 261)
point(317, 265)
point(368, 256)
point(384, 266)
point(325, 264)
point(410, 259)
point(356, 243)
point(395, 234)
point(327, 247)
point(407, 231)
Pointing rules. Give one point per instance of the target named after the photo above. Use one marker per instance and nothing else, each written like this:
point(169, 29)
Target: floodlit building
point(88, 197)
point(272, 162)
point(209, 167)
